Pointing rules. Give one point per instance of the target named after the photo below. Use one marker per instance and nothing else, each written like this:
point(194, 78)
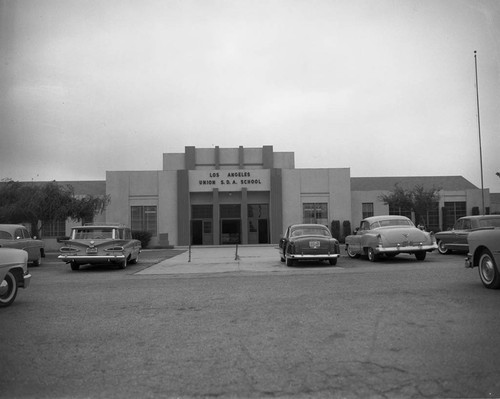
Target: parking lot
point(216, 322)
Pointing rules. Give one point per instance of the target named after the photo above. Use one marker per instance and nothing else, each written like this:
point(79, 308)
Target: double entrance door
point(230, 225)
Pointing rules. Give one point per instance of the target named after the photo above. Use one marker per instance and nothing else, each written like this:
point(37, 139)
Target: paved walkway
point(220, 260)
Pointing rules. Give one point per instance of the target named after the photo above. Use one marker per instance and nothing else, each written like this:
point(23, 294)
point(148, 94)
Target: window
point(367, 209)
point(453, 211)
point(393, 210)
point(316, 212)
point(54, 229)
point(144, 218)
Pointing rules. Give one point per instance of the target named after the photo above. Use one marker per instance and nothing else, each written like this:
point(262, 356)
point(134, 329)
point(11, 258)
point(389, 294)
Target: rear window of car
point(93, 234)
point(391, 222)
point(5, 235)
point(306, 231)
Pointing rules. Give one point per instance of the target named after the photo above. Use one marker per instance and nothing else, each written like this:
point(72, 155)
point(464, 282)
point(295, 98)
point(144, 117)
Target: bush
point(143, 236)
point(335, 229)
point(346, 229)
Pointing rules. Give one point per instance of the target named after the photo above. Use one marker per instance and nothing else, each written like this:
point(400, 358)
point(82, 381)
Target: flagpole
point(479, 130)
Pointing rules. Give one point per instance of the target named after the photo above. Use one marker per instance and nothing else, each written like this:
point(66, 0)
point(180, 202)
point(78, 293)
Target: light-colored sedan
point(389, 235)
point(17, 236)
point(13, 274)
point(100, 244)
point(484, 253)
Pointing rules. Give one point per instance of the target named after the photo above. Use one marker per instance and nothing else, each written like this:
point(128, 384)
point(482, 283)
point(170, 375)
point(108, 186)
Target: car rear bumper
point(406, 249)
point(313, 257)
point(92, 259)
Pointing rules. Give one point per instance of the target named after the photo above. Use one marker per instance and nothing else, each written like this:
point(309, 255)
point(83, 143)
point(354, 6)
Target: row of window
point(451, 212)
point(144, 218)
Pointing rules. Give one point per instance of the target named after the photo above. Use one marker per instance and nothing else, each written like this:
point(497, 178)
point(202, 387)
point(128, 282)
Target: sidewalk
point(221, 259)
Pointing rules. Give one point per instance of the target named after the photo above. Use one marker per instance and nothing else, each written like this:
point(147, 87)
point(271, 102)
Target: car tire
point(372, 256)
point(289, 262)
point(488, 270)
point(282, 259)
point(332, 262)
point(351, 254)
point(420, 255)
point(38, 261)
point(75, 266)
point(442, 248)
point(123, 264)
point(8, 289)
point(135, 260)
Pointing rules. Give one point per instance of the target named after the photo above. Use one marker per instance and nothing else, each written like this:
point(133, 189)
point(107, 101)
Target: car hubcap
point(4, 288)
point(487, 270)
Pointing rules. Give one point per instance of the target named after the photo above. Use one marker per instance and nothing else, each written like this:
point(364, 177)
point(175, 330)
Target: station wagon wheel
point(333, 261)
point(488, 271)
point(135, 260)
point(289, 262)
point(351, 253)
point(442, 248)
point(8, 289)
point(123, 264)
point(420, 255)
point(372, 256)
point(74, 266)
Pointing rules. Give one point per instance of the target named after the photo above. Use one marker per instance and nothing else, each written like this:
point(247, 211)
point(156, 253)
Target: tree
point(39, 204)
point(417, 200)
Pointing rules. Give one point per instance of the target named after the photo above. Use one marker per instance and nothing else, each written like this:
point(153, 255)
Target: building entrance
point(201, 232)
point(230, 231)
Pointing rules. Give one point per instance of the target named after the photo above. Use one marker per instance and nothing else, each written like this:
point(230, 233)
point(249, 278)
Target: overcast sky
point(383, 87)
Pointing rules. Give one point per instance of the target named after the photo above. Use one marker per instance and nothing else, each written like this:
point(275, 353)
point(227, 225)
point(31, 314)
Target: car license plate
point(314, 244)
point(91, 250)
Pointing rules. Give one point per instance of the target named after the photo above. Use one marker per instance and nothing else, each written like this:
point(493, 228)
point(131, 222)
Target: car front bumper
point(406, 249)
point(26, 280)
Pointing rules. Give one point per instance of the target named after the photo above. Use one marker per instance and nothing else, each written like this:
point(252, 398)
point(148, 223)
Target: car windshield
point(390, 223)
point(492, 222)
point(93, 234)
point(313, 231)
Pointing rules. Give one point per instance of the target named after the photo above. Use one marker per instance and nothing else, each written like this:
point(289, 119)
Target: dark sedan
point(308, 242)
point(456, 238)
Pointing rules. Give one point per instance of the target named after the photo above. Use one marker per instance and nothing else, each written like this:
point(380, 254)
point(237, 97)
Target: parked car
point(100, 244)
point(484, 253)
point(389, 235)
point(13, 274)
point(456, 238)
point(308, 242)
point(17, 236)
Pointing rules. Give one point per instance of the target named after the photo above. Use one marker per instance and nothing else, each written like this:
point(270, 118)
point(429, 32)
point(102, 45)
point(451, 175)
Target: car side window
point(5, 235)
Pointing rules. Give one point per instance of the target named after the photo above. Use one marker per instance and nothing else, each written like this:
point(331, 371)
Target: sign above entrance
point(229, 180)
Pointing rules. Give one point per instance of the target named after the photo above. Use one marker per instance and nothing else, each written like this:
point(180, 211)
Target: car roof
point(479, 217)
point(100, 226)
point(11, 226)
point(307, 225)
point(372, 219)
